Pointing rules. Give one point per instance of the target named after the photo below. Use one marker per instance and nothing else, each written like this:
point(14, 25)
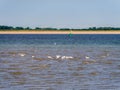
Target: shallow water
point(24, 62)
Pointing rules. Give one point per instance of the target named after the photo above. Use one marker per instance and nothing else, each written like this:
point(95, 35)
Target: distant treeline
point(3, 27)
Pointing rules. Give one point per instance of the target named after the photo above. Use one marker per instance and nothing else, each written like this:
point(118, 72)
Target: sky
point(60, 13)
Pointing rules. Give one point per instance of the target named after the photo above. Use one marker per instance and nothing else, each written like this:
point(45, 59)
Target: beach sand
point(59, 32)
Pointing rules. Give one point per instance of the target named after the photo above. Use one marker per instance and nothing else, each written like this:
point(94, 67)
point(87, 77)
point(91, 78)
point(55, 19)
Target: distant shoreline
point(59, 32)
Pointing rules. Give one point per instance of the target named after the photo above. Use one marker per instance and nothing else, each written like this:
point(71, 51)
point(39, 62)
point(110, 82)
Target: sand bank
point(59, 32)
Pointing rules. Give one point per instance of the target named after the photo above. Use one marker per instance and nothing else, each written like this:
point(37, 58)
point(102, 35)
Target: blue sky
point(60, 13)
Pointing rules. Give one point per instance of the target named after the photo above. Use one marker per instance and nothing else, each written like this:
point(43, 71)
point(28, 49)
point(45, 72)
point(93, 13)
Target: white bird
point(63, 57)
point(66, 57)
point(21, 54)
point(69, 57)
point(49, 57)
point(58, 56)
point(33, 56)
point(87, 57)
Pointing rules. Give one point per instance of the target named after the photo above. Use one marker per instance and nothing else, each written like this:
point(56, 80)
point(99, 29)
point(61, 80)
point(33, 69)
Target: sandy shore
point(59, 32)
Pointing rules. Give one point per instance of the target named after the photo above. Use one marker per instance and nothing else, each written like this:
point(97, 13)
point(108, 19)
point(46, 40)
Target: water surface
point(24, 62)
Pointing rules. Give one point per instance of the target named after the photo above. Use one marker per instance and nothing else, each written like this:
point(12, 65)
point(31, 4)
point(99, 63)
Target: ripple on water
point(76, 69)
point(76, 74)
point(40, 59)
point(88, 61)
point(55, 82)
point(16, 73)
point(40, 67)
point(18, 82)
point(115, 74)
point(41, 73)
point(12, 53)
point(94, 73)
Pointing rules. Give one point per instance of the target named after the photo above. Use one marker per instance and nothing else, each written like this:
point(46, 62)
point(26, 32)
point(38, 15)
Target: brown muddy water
point(59, 62)
point(91, 68)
